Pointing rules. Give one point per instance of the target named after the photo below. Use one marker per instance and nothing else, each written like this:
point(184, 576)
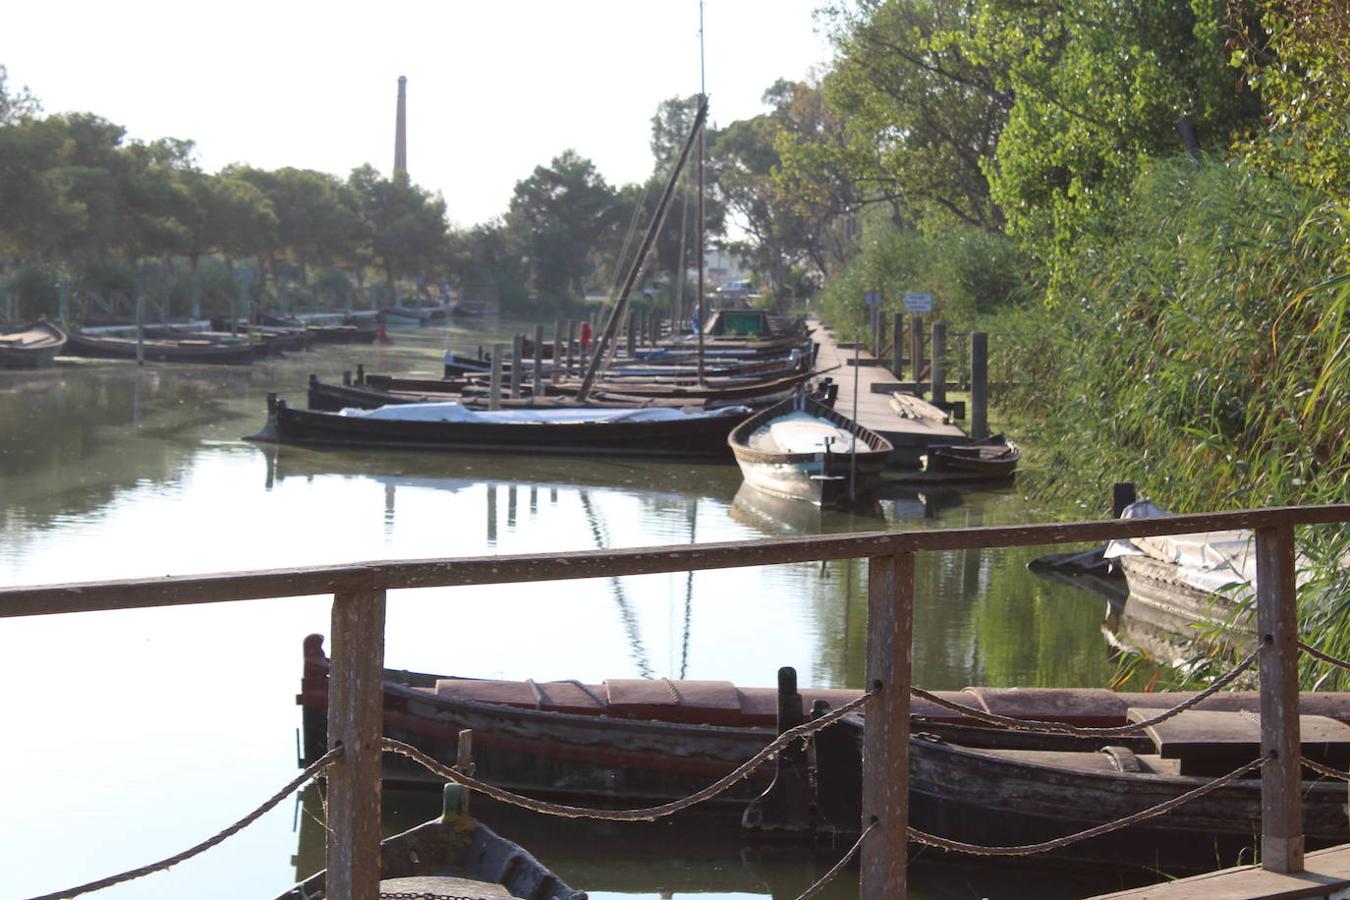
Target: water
point(131, 736)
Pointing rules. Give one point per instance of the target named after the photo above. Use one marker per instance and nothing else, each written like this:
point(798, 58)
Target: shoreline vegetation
point(1146, 205)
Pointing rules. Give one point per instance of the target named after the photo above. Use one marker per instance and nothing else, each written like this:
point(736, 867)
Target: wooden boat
point(454, 856)
point(184, 349)
point(994, 457)
point(403, 317)
point(803, 449)
point(653, 432)
point(631, 742)
point(30, 346)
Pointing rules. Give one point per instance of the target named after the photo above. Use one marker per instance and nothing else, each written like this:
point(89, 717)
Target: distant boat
point(453, 856)
point(654, 432)
point(803, 449)
point(30, 346)
point(183, 349)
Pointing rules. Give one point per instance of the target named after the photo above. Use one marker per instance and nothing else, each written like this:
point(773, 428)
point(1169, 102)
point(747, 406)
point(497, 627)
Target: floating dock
point(911, 436)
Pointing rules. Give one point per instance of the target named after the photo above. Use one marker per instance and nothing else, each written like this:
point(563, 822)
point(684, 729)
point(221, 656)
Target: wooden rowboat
point(803, 449)
point(30, 346)
point(184, 349)
point(995, 457)
point(454, 856)
point(684, 432)
point(633, 742)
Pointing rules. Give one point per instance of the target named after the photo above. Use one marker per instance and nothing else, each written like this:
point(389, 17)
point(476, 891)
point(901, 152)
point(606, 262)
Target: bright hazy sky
point(494, 88)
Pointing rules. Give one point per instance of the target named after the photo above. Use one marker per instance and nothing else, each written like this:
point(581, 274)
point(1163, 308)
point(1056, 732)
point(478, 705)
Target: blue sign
point(872, 297)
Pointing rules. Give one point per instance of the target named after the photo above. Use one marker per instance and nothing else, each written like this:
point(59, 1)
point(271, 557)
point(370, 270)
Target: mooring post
point(916, 346)
point(1123, 493)
point(464, 764)
point(890, 610)
point(517, 366)
point(557, 351)
point(979, 385)
point(537, 388)
point(356, 723)
point(630, 335)
point(939, 367)
point(1277, 621)
point(495, 379)
point(897, 347)
point(140, 327)
point(571, 345)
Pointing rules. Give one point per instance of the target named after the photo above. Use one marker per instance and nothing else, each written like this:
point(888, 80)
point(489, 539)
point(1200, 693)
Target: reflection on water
point(155, 728)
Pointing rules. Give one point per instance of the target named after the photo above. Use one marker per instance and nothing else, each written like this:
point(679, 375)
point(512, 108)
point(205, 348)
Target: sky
point(494, 88)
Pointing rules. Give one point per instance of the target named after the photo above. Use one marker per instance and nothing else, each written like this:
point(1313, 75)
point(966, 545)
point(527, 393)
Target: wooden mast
point(620, 308)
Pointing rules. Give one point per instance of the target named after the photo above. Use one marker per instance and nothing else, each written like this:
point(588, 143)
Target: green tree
point(408, 231)
point(560, 215)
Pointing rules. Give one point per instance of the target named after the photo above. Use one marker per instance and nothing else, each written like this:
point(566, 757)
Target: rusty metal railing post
point(1277, 618)
point(890, 617)
point(356, 721)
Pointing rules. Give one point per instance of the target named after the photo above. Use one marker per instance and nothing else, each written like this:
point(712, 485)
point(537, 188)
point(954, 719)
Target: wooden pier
point(910, 436)
point(1326, 874)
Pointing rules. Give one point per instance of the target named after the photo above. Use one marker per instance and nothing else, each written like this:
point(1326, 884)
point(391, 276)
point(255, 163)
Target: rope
point(837, 867)
point(1081, 731)
point(318, 766)
point(1318, 654)
point(1097, 830)
point(629, 815)
point(1328, 771)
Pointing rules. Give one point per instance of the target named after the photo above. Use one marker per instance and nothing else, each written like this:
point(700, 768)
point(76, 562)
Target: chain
point(423, 895)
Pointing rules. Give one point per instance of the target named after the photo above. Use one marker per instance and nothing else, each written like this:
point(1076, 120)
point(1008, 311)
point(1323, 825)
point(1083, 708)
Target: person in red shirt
point(585, 336)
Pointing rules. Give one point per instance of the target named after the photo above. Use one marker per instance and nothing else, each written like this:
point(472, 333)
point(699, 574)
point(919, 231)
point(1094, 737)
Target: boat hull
point(702, 438)
point(31, 346)
point(162, 350)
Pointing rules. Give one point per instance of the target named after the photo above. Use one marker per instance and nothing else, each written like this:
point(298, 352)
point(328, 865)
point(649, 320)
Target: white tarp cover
point(1220, 562)
point(801, 432)
point(456, 412)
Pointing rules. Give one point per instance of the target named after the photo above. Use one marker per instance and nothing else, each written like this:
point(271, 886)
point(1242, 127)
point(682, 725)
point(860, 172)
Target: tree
point(560, 215)
point(408, 231)
point(15, 105)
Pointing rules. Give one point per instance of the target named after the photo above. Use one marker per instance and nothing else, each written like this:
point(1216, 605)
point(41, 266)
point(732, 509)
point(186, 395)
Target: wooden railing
point(356, 690)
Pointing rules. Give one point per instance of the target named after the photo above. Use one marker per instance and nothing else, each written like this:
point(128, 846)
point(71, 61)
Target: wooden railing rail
point(356, 690)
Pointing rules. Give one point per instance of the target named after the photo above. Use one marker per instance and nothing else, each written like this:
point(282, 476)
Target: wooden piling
point(979, 385)
point(537, 388)
point(356, 723)
point(897, 347)
point(495, 380)
point(571, 345)
point(558, 353)
point(631, 335)
point(140, 328)
point(939, 366)
point(885, 794)
point(1277, 624)
point(517, 366)
point(916, 347)
point(464, 762)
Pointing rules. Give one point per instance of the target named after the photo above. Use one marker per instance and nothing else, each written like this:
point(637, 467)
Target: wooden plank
point(355, 721)
point(890, 612)
point(316, 580)
point(1327, 873)
point(1277, 625)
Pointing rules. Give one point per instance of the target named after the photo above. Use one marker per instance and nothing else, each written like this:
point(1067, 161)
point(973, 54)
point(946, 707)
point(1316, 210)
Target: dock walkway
point(1327, 876)
point(910, 436)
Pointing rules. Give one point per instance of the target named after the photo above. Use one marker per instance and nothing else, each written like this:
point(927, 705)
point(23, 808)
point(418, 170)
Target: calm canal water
point(131, 736)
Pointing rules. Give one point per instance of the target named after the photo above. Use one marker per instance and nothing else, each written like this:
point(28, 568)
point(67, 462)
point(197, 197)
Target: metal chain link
point(648, 814)
point(1097, 830)
point(1082, 731)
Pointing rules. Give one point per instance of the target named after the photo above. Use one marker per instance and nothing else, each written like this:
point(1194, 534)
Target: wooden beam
point(885, 794)
point(178, 590)
point(1277, 621)
point(356, 722)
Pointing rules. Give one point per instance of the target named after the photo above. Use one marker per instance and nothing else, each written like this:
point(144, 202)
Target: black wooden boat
point(632, 742)
point(994, 457)
point(801, 448)
point(678, 432)
point(454, 855)
point(183, 349)
point(30, 346)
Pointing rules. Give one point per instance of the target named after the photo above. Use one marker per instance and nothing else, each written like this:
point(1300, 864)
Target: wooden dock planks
point(1327, 875)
